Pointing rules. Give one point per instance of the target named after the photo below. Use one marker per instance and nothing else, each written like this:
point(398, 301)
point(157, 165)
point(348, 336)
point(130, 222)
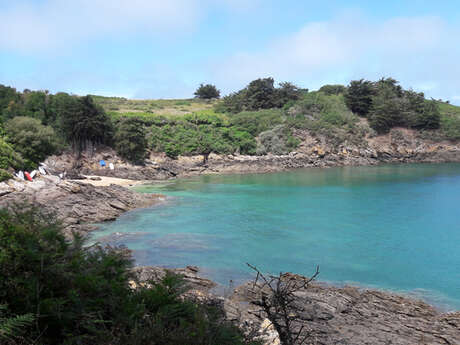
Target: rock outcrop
point(76, 203)
point(330, 315)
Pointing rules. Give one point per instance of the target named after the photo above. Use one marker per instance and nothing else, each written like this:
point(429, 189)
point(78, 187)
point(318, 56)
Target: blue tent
point(102, 163)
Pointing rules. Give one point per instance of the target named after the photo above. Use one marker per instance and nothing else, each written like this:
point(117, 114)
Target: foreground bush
point(77, 294)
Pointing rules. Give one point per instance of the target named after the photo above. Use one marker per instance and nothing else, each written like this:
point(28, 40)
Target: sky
point(165, 49)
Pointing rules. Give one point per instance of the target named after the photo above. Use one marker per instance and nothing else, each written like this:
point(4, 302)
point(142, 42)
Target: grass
point(152, 106)
point(450, 120)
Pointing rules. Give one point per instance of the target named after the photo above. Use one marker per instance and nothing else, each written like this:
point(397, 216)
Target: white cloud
point(418, 51)
point(29, 26)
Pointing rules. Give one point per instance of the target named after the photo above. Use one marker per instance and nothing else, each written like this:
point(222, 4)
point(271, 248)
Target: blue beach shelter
point(102, 163)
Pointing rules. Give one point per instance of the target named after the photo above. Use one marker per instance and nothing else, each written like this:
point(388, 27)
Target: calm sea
point(394, 227)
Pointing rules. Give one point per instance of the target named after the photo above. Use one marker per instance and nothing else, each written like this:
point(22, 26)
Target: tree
point(207, 91)
point(358, 96)
point(35, 104)
point(130, 139)
point(10, 102)
point(286, 92)
point(335, 89)
point(387, 110)
point(83, 123)
point(259, 94)
point(31, 139)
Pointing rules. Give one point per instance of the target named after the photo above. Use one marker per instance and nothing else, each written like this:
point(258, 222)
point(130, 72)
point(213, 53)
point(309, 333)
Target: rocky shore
point(399, 146)
point(78, 204)
point(330, 315)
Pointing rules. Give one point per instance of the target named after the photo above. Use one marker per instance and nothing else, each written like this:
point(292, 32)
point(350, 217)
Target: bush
point(200, 133)
point(8, 157)
point(4, 175)
point(31, 139)
point(82, 294)
point(207, 91)
point(130, 139)
point(255, 122)
point(278, 141)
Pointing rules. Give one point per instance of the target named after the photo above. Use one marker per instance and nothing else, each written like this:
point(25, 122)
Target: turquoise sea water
point(394, 227)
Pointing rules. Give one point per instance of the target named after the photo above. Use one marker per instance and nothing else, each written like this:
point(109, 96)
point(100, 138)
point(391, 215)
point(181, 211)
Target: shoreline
point(334, 315)
point(329, 308)
point(438, 300)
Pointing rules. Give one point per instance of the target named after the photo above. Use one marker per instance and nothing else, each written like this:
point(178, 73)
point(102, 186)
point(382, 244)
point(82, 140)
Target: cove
point(393, 227)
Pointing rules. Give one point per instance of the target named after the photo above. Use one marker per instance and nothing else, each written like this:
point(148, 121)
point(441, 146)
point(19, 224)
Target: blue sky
point(164, 49)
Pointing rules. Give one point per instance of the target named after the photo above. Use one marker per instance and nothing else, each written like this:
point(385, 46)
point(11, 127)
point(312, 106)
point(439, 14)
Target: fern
point(11, 326)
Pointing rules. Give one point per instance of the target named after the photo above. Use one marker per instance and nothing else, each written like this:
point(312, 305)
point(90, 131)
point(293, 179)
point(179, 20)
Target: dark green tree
point(83, 123)
point(387, 110)
point(286, 92)
point(429, 118)
point(35, 104)
point(333, 89)
point(10, 102)
point(260, 94)
point(207, 91)
point(358, 96)
point(130, 139)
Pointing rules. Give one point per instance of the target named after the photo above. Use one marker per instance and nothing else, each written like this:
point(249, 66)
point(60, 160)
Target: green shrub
point(4, 175)
point(130, 139)
point(8, 157)
point(256, 122)
point(31, 139)
point(81, 294)
point(278, 141)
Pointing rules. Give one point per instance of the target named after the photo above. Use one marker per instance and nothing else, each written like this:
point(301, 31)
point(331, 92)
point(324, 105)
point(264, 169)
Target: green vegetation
point(174, 107)
point(278, 141)
point(9, 159)
point(31, 139)
point(450, 121)
point(83, 123)
point(259, 119)
point(199, 133)
point(387, 105)
point(207, 91)
point(333, 89)
point(63, 292)
point(259, 94)
point(130, 139)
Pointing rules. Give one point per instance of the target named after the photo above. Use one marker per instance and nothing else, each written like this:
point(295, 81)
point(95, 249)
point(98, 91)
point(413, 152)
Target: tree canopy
point(207, 91)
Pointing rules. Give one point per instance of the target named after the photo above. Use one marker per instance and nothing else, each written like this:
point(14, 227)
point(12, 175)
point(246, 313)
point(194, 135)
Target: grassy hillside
point(450, 120)
point(119, 105)
point(257, 120)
